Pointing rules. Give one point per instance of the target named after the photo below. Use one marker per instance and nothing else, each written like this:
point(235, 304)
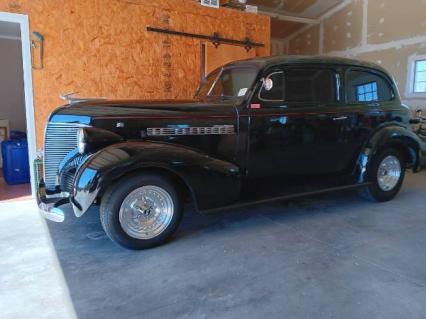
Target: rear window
point(366, 87)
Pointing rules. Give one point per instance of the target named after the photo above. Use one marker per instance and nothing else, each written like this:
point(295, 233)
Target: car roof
point(263, 62)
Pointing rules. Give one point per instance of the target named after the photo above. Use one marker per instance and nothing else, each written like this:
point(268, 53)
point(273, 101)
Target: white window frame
point(209, 4)
point(412, 76)
point(23, 21)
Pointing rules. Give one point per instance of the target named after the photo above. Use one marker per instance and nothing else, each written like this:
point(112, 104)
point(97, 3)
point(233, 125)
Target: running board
point(283, 198)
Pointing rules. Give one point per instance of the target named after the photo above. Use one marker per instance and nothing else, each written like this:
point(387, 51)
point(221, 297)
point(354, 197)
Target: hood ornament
point(73, 98)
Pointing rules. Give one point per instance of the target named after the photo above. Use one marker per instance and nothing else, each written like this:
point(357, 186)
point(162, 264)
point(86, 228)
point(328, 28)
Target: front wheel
point(386, 174)
point(141, 212)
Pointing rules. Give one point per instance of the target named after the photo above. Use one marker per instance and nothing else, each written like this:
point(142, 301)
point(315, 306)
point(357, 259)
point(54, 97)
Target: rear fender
point(390, 136)
point(212, 182)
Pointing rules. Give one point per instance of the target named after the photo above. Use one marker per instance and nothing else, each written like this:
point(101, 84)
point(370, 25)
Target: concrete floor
point(334, 256)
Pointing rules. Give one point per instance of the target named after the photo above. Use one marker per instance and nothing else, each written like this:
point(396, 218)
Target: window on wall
point(367, 92)
point(420, 76)
point(365, 87)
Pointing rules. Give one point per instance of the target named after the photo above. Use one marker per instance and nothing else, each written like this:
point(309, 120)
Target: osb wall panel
point(306, 42)
point(102, 48)
point(395, 20)
point(343, 30)
point(216, 57)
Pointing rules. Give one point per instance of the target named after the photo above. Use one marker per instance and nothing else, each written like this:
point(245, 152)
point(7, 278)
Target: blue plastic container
point(18, 135)
point(16, 168)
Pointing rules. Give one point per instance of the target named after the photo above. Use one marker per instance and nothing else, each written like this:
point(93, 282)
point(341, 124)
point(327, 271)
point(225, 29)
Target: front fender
point(393, 135)
point(212, 182)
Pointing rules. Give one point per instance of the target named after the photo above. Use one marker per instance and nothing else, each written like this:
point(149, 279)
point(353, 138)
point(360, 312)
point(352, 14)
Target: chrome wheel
point(389, 173)
point(146, 212)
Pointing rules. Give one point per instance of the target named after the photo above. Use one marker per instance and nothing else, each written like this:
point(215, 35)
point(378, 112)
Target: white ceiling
point(9, 30)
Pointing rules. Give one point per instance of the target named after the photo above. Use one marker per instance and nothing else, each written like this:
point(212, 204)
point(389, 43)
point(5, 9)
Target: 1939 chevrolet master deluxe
point(259, 130)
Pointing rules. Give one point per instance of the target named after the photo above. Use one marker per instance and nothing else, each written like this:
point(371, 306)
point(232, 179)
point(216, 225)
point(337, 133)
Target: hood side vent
point(210, 130)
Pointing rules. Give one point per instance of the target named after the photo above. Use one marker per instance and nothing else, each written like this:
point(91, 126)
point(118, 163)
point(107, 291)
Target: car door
point(296, 124)
point(371, 100)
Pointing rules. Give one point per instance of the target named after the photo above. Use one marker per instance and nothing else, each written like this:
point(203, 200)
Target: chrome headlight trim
point(81, 141)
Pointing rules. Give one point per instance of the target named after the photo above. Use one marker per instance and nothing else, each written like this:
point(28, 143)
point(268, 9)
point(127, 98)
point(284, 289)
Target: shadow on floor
point(298, 259)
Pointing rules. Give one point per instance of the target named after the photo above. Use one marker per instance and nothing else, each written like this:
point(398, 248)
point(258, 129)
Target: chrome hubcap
point(146, 212)
point(389, 173)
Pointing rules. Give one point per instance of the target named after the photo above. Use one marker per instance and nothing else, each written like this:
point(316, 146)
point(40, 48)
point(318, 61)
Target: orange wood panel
point(102, 48)
point(216, 57)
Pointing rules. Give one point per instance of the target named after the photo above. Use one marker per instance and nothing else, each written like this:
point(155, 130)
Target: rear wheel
point(141, 212)
point(386, 173)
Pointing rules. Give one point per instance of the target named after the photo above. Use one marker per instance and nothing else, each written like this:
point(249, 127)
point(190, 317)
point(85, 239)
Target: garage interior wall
point(101, 48)
point(12, 104)
point(390, 33)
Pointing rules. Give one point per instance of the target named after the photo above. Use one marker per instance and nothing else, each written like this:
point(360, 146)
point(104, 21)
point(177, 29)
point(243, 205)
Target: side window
point(272, 89)
point(420, 76)
point(310, 85)
point(365, 87)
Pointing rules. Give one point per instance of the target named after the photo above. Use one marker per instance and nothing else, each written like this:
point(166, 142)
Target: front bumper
point(49, 206)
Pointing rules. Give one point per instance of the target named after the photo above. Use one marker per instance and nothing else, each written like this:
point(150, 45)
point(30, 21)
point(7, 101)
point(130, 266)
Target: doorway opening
point(17, 123)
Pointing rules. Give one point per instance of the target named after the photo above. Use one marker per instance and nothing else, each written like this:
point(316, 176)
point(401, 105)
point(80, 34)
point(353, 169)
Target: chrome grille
point(209, 130)
point(69, 171)
point(59, 141)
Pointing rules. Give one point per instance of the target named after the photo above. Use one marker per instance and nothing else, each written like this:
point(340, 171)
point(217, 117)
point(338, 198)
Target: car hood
point(89, 111)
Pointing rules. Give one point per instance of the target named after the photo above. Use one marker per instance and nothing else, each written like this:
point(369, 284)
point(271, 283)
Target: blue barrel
point(16, 167)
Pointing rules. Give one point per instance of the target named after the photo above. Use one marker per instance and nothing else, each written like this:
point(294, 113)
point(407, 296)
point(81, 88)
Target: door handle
point(340, 118)
point(374, 104)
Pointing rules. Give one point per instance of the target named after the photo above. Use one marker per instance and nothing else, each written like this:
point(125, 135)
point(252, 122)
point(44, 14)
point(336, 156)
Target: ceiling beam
point(290, 18)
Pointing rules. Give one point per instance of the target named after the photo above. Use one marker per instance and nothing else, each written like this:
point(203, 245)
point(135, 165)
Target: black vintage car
point(258, 130)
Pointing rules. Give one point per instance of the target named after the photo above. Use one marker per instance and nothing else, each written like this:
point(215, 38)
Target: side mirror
point(268, 84)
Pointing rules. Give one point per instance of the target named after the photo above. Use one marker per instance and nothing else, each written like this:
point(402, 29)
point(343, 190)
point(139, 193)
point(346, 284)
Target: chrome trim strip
point(73, 98)
point(50, 212)
point(58, 195)
point(215, 82)
point(210, 130)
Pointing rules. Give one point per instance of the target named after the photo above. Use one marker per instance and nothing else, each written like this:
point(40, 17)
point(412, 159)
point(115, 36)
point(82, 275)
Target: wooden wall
point(216, 57)
point(102, 48)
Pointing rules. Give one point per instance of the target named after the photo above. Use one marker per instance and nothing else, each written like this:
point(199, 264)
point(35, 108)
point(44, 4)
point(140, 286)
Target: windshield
point(231, 82)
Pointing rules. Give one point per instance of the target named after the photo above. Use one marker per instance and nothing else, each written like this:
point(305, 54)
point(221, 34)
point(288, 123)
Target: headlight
point(81, 141)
